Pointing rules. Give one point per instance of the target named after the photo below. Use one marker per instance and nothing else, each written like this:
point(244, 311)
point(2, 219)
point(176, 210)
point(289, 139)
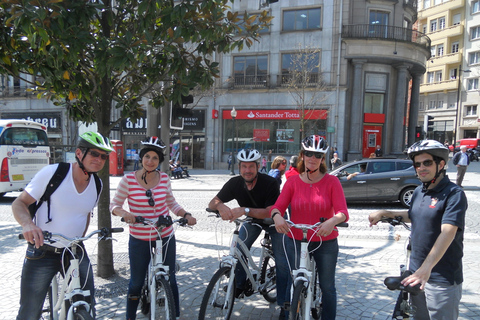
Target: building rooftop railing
point(388, 33)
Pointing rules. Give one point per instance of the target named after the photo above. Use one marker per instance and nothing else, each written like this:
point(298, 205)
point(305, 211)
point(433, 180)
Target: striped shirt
point(129, 188)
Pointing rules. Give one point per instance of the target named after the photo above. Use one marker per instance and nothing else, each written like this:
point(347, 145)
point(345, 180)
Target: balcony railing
point(259, 81)
point(384, 32)
point(310, 80)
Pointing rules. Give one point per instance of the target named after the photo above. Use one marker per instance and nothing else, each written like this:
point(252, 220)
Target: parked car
point(384, 180)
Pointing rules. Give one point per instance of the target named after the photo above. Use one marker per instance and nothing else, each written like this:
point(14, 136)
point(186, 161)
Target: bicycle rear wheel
point(215, 303)
point(297, 307)
point(268, 276)
point(162, 305)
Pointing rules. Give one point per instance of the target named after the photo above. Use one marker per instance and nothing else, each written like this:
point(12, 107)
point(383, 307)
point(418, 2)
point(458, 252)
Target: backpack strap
point(53, 184)
point(98, 184)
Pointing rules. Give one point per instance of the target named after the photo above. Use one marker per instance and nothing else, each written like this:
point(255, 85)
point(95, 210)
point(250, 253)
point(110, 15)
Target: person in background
point(279, 165)
point(314, 194)
point(336, 161)
point(292, 171)
point(372, 155)
point(437, 216)
point(149, 195)
point(68, 212)
point(461, 160)
point(363, 168)
point(136, 160)
point(378, 152)
point(264, 165)
point(229, 160)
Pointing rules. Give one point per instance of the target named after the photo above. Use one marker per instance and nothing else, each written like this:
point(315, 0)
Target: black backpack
point(53, 184)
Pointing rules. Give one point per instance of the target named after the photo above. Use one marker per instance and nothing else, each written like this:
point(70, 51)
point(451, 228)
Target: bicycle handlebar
point(312, 226)
point(104, 232)
point(267, 221)
point(162, 221)
point(397, 221)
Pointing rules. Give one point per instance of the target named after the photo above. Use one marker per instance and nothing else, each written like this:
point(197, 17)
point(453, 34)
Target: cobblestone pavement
point(367, 256)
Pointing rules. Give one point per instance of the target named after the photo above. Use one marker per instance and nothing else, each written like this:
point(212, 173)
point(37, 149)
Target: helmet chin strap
point(144, 175)
point(310, 171)
point(80, 164)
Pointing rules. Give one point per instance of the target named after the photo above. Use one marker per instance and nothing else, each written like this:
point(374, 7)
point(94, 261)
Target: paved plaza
point(367, 256)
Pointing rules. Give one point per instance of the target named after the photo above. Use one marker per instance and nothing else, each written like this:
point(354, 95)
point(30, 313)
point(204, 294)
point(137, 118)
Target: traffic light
point(418, 133)
point(187, 99)
point(428, 123)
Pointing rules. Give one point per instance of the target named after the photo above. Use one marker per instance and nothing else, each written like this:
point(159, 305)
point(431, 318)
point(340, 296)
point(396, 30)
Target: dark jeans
point(39, 268)
point(326, 260)
point(281, 265)
point(139, 255)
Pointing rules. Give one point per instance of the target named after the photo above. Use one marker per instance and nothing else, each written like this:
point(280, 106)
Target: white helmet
point(153, 142)
point(315, 143)
point(432, 147)
point(248, 155)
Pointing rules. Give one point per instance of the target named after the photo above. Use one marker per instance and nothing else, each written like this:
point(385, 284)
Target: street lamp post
point(233, 113)
point(455, 128)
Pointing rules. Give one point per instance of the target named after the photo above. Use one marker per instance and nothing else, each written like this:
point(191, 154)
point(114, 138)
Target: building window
point(294, 66)
point(250, 70)
point(420, 106)
point(430, 77)
point(378, 21)
point(456, 19)
point(475, 33)
point(441, 23)
point(433, 25)
point(474, 57)
point(302, 19)
point(242, 26)
point(472, 84)
point(440, 50)
point(438, 76)
point(452, 105)
point(475, 6)
point(426, 4)
point(431, 105)
point(455, 47)
point(453, 74)
point(470, 111)
point(433, 51)
point(374, 102)
point(440, 104)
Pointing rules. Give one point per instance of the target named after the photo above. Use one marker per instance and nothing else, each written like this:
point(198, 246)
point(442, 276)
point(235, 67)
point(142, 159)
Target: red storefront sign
point(275, 114)
point(261, 134)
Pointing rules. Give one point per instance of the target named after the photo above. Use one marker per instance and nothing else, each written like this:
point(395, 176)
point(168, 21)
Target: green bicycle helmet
point(94, 140)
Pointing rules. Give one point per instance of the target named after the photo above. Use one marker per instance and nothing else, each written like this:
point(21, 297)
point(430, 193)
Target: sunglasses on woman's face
point(96, 154)
point(426, 163)
point(317, 155)
point(149, 194)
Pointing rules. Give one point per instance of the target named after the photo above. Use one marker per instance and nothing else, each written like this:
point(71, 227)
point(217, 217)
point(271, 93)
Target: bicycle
point(71, 302)
point(157, 288)
point(219, 297)
point(306, 298)
point(403, 308)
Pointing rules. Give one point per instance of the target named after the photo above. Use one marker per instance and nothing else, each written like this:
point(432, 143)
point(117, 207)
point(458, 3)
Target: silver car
point(378, 180)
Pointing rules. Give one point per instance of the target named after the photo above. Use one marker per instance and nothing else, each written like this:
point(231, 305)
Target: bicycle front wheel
point(162, 305)
point(317, 300)
point(81, 314)
point(216, 304)
point(297, 308)
point(268, 277)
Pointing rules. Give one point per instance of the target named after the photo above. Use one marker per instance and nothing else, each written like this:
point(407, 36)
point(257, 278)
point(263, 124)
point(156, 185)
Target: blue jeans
point(326, 260)
point(281, 265)
point(39, 268)
point(139, 255)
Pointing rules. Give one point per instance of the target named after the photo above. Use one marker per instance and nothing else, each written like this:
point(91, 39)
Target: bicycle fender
point(306, 281)
point(228, 261)
point(74, 305)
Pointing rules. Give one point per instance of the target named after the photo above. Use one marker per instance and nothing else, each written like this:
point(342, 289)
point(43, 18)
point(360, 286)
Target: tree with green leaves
point(93, 56)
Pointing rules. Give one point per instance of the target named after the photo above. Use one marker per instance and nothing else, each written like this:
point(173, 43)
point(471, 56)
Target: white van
point(24, 151)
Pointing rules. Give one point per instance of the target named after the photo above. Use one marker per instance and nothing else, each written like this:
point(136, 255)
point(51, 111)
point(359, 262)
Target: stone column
point(398, 138)
point(414, 108)
point(356, 112)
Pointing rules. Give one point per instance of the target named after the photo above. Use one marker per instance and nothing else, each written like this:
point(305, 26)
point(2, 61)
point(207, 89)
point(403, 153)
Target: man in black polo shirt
point(255, 194)
point(437, 214)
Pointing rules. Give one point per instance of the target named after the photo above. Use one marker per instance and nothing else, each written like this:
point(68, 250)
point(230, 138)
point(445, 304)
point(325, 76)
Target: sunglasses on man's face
point(96, 154)
point(149, 194)
point(317, 155)
point(426, 163)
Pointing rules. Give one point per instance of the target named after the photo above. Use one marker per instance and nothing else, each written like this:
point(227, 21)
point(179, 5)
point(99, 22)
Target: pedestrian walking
point(136, 159)
point(461, 160)
point(378, 152)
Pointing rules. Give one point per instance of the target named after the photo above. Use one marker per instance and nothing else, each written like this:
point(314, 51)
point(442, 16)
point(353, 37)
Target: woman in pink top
point(149, 195)
point(312, 195)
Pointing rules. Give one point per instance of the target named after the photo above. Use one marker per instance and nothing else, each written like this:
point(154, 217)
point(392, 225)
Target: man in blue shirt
point(437, 215)
point(461, 160)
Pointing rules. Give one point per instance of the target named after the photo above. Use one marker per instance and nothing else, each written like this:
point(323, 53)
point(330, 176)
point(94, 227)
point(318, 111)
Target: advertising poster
point(261, 135)
point(285, 135)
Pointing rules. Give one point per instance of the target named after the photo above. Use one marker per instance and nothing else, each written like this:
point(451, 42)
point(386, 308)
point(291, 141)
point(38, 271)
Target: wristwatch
point(247, 211)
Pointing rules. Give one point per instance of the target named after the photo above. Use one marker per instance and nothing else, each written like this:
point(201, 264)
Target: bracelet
point(273, 215)
point(184, 216)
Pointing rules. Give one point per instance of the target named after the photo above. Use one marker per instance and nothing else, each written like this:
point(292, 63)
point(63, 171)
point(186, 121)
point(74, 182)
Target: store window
point(302, 19)
point(374, 102)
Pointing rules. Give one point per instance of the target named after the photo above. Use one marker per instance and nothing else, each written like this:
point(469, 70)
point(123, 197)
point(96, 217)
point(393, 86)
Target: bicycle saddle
point(394, 283)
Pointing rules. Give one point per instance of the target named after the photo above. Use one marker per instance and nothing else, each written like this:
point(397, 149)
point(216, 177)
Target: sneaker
point(282, 315)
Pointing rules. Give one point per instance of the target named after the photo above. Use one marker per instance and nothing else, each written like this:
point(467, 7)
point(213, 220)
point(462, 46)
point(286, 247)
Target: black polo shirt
point(444, 204)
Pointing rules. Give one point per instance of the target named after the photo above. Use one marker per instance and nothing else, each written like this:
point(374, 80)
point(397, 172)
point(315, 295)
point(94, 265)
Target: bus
point(24, 151)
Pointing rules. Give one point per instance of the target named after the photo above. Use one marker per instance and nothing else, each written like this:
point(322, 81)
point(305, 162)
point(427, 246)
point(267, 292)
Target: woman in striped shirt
point(149, 195)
